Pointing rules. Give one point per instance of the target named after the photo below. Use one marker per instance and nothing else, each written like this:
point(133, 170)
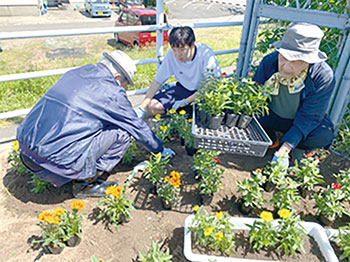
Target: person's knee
point(155, 107)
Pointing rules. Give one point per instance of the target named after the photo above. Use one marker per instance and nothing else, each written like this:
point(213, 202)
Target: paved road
point(66, 17)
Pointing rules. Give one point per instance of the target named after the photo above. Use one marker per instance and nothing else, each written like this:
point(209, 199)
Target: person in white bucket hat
point(300, 84)
point(81, 127)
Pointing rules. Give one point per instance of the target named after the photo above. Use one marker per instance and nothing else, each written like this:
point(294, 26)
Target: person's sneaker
point(94, 189)
point(274, 145)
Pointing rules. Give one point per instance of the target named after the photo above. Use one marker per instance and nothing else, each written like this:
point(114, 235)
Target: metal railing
point(159, 28)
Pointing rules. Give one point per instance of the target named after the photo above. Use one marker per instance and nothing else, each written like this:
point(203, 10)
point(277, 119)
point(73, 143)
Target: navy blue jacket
point(63, 123)
point(319, 85)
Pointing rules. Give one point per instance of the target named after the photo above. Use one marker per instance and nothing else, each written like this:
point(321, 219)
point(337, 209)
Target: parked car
point(98, 7)
point(130, 4)
point(134, 17)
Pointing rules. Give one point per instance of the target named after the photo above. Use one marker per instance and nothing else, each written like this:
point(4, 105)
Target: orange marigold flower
point(44, 215)
point(258, 170)
point(78, 205)
point(250, 74)
point(175, 174)
point(59, 211)
point(175, 182)
point(223, 75)
point(119, 189)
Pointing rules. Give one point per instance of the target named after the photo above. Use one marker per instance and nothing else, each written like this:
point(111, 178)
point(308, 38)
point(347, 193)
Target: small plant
point(275, 173)
point(286, 233)
point(250, 188)
point(71, 221)
point(186, 132)
point(252, 98)
point(328, 202)
point(290, 232)
point(204, 161)
point(213, 232)
point(169, 189)
point(39, 185)
point(155, 254)
point(177, 122)
point(211, 182)
point(15, 161)
point(307, 173)
point(214, 96)
point(343, 178)
point(343, 240)
point(287, 195)
point(116, 206)
point(163, 133)
point(132, 151)
point(156, 168)
point(52, 233)
point(261, 233)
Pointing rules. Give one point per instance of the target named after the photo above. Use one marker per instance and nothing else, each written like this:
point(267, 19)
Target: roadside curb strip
point(223, 2)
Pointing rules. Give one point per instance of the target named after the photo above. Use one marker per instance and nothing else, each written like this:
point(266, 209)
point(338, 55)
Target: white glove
point(140, 112)
point(167, 152)
point(179, 103)
point(283, 161)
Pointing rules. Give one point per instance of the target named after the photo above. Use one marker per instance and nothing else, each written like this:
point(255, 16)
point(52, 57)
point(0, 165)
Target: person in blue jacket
point(81, 127)
point(301, 84)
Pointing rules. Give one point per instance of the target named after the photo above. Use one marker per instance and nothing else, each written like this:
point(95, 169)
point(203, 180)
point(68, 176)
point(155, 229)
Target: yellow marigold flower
point(163, 128)
point(15, 145)
point(266, 216)
point(196, 208)
point(53, 220)
point(116, 195)
point(175, 174)
point(157, 116)
point(208, 231)
point(159, 155)
point(167, 178)
point(219, 215)
point(284, 213)
point(189, 120)
point(182, 112)
point(172, 111)
point(78, 205)
point(219, 236)
point(44, 215)
point(258, 170)
point(59, 211)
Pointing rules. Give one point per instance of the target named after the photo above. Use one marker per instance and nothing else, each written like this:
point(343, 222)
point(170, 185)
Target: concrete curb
point(223, 2)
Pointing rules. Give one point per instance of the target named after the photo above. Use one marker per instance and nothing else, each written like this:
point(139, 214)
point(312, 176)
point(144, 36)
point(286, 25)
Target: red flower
point(250, 74)
point(308, 155)
point(216, 160)
point(223, 75)
point(336, 186)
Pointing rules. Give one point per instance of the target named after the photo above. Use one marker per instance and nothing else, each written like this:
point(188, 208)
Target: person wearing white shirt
point(189, 62)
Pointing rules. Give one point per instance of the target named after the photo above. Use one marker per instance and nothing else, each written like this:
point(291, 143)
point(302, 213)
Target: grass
point(27, 55)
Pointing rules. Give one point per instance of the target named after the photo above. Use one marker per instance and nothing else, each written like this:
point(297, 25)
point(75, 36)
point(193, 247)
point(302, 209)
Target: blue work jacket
point(60, 128)
point(314, 99)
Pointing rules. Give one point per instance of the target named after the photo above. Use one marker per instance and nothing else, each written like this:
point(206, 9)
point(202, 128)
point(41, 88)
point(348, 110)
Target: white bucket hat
point(123, 62)
point(301, 41)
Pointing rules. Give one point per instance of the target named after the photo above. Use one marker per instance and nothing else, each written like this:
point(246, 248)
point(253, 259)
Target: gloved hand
point(179, 103)
point(140, 112)
point(282, 161)
point(167, 152)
